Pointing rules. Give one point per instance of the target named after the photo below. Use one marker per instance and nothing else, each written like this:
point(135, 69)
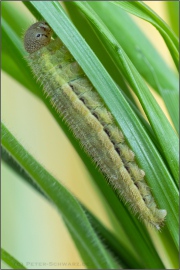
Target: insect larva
point(77, 101)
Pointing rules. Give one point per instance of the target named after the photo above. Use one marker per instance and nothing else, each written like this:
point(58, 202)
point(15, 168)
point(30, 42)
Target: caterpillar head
point(37, 36)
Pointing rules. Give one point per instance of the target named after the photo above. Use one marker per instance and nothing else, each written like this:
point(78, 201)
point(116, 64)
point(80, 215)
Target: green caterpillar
point(77, 101)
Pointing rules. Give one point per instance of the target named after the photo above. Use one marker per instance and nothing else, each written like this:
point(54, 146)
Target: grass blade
point(92, 251)
point(141, 10)
point(142, 54)
point(172, 10)
point(118, 249)
point(156, 117)
point(10, 260)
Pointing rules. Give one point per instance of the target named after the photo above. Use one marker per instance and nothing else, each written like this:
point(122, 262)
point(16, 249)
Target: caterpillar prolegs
point(77, 101)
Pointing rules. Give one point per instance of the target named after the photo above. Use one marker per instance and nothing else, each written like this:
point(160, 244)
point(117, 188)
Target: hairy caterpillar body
point(77, 101)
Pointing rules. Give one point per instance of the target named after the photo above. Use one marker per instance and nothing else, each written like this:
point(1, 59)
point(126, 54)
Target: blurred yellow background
point(32, 230)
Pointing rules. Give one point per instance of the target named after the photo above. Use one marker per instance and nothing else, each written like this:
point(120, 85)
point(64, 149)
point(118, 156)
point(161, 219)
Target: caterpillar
point(84, 111)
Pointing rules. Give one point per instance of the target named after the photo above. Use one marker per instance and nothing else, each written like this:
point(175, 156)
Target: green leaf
point(13, 54)
point(156, 117)
point(119, 250)
point(141, 10)
point(10, 260)
point(141, 52)
point(92, 251)
point(91, 38)
point(172, 10)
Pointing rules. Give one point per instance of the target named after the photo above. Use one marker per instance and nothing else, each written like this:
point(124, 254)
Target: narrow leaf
point(92, 251)
point(142, 53)
point(157, 119)
point(10, 260)
point(141, 10)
